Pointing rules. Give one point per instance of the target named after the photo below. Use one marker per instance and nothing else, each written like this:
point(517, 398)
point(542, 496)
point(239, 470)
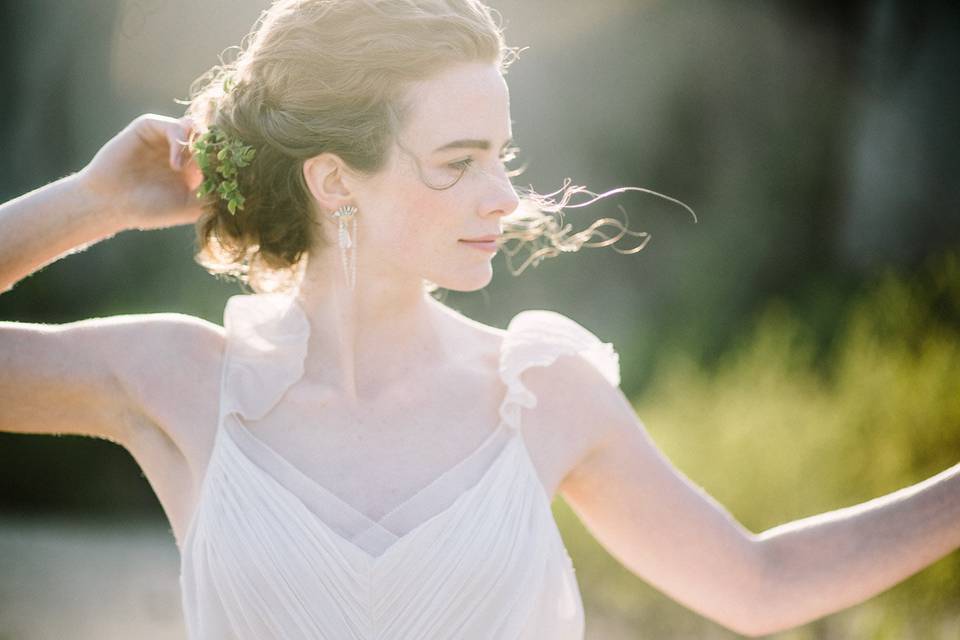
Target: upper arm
point(93, 377)
point(647, 514)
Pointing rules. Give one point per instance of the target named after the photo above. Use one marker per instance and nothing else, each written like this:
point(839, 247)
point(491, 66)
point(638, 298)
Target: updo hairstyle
point(317, 76)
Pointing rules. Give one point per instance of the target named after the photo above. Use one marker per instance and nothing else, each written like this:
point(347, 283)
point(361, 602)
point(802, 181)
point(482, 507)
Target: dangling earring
point(347, 214)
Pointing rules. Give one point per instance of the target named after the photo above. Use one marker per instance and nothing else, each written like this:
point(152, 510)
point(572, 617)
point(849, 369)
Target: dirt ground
point(64, 578)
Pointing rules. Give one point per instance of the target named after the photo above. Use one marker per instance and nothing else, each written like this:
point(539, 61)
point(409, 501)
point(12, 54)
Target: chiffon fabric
point(270, 553)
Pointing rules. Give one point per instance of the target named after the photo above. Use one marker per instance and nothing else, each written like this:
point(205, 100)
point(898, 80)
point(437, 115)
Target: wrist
point(93, 203)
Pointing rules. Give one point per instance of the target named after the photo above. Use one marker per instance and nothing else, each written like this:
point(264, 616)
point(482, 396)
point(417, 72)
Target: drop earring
point(347, 241)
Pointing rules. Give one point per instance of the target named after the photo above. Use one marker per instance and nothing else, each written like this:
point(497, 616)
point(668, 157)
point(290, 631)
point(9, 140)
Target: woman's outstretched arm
point(139, 179)
point(668, 531)
point(828, 562)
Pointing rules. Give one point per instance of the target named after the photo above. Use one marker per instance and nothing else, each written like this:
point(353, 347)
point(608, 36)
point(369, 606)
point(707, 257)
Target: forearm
point(822, 564)
point(41, 226)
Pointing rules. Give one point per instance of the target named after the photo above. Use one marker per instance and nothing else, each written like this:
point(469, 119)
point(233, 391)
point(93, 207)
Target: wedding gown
point(269, 553)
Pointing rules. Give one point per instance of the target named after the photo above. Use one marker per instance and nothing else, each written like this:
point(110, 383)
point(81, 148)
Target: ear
point(326, 177)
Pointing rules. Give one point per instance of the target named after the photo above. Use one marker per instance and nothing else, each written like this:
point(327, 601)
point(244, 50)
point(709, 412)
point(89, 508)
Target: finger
point(178, 134)
point(193, 174)
point(174, 155)
point(153, 127)
point(186, 130)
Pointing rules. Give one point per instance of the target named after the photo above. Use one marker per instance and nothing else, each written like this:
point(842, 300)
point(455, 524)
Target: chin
point(466, 281)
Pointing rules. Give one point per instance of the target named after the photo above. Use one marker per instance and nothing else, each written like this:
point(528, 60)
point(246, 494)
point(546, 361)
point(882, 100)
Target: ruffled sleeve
point(536, 338)
point(267, 336)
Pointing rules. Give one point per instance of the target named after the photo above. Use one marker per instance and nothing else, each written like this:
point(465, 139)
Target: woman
point(347, 457)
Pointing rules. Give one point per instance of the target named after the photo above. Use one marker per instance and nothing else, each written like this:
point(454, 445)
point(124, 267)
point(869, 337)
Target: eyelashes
point(460, 167)
point(509, 155)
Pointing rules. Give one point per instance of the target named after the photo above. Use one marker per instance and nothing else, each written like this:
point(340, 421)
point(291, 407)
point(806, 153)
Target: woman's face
point(457, 135)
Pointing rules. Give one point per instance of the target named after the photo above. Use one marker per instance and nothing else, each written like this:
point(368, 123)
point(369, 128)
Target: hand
point(145, 175)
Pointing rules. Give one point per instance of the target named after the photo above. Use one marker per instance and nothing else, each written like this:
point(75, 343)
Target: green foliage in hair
point(219, 158)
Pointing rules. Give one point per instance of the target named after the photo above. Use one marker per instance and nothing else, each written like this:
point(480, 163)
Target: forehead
point(465, 101)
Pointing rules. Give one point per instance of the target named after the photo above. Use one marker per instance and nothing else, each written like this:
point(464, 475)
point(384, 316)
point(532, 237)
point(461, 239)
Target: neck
point(363, 339)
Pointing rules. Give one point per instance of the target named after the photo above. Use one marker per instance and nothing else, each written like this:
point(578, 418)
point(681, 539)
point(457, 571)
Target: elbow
point(751, 623)
point(764, 609)
point(756, 626)
point(758, 604)
point(749, 631)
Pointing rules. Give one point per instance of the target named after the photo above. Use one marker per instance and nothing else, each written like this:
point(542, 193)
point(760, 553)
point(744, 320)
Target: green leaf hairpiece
point(219, 157)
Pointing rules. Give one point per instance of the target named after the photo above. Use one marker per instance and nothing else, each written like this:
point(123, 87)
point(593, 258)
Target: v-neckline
point(293, 320)
point(314, 485)
point(514, 440)
point(267, 338)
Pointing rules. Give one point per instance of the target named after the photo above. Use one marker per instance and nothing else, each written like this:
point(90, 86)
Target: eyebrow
point(469, 144)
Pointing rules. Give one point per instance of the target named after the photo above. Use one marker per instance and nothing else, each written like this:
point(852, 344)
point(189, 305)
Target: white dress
point(271, 554)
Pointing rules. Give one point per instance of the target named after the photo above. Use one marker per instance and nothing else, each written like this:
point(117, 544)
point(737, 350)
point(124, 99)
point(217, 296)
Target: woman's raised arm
point(143, 178)
point(91, 377)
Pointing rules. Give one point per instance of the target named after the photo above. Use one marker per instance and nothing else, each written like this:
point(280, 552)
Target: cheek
point(423, 220)
point(430, 222)
point(411, 222)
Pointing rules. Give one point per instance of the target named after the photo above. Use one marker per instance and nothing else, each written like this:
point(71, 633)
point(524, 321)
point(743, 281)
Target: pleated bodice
point(270, 553)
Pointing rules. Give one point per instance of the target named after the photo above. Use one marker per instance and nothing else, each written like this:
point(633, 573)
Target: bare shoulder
point(101, 377)
point(577, 408)
point(577, 411)
point(166, 367)
point(170, 367)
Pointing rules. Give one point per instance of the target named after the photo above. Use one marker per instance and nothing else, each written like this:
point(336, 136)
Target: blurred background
point(795, 351)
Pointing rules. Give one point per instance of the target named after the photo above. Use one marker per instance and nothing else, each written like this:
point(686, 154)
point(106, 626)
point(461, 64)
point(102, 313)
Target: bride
point(347, 457)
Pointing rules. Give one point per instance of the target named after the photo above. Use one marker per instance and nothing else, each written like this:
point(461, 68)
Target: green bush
point(781, 429)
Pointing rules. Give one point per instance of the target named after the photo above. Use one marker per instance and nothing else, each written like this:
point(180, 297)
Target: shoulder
point(574, 394)
point(556, 364)
point(132, 345)
point(137, 325)
point(568, 380)
point(168, 364)
point(542, 352)
point(178, 345)
point(157, 339)
point(546, 345)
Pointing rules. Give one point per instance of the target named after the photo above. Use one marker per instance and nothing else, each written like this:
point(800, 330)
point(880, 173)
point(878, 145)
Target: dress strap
point(267, 336)
point(536, 338)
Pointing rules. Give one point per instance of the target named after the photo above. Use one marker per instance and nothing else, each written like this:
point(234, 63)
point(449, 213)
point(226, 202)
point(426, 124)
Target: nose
point(501, 199)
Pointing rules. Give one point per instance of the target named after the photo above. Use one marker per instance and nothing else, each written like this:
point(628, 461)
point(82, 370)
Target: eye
point(509, 155)
point(461, 165)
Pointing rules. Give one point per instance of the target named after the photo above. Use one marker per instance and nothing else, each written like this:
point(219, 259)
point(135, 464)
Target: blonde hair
point(318, 76)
